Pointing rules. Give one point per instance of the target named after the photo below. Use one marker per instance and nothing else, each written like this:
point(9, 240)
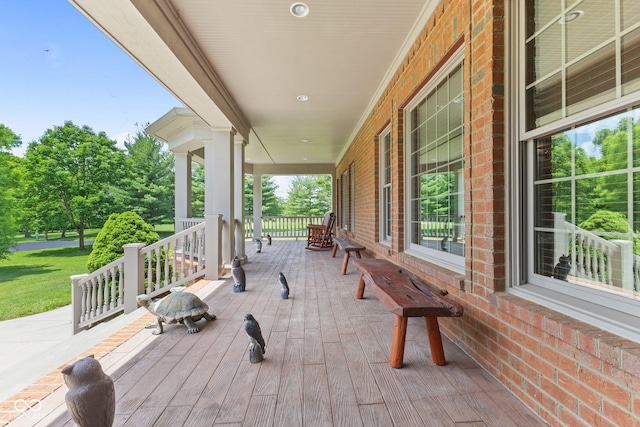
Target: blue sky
point(57, 66)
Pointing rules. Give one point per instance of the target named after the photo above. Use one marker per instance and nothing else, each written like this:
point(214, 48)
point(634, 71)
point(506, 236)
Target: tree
point(271, 204)
point(117, 231)
point(74, 167)
point(148, 185)
point(197, 190)
point(309, 195)
point(9, 185)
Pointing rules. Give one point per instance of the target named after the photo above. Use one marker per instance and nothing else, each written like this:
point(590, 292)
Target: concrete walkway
point(33, 346)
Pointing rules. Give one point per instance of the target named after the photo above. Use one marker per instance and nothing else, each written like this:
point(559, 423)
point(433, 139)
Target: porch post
point(133, 275)
point(239, 198)
point(219, 187)
point(257, 206)
point(213, 245)
point(182, 198)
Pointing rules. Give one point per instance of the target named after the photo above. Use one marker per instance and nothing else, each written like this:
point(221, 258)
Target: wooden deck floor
point(326, 362)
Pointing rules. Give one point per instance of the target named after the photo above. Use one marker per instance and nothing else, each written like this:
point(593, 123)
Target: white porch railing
point(609, 262)
point(151, 270)
point(282, 226)
point(276, 226)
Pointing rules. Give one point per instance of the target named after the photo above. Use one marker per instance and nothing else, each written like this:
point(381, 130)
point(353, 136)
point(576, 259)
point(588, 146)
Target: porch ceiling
point(244, 63)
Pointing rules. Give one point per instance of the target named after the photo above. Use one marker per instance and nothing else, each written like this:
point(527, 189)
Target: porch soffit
point(243, 64)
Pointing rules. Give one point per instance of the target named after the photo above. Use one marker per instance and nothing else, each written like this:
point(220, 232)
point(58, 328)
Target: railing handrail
point(102, 270)
point(574, 229)
point(173, 237)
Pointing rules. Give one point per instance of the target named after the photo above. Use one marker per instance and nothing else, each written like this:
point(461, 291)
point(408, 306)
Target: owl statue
point(562, 268)
point(91, 399)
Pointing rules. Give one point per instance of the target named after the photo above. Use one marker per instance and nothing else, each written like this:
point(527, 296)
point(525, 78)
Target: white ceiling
point(341, 56)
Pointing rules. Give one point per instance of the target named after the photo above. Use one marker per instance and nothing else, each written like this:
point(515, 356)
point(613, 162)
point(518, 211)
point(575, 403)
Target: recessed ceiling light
point(299, 10)
point(570, 17)
point(302, 98)
point(304, 140)
point(304, 158)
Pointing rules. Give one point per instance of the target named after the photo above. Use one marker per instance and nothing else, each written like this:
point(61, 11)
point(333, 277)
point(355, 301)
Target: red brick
point(619, 416)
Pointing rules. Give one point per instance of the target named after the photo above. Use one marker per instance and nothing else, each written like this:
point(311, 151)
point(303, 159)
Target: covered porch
point(326, 361)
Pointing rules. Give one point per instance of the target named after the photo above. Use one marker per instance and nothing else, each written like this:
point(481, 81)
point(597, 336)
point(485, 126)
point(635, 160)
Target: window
point(435, 173)
point(344, 190)
point(385, 186)
point(581, 142)
point(586, 200)
point(352, 196)
point(580, 56)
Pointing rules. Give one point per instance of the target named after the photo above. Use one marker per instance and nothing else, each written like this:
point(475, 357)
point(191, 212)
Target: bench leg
point(435, 341)
point(397, 341)
point(360, 291)
point(335, 248)
point(345, 262)
point(358, 254)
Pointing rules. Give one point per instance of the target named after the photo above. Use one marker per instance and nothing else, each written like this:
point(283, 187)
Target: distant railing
point(275, 226)
point(151, 270)
point(282, 226)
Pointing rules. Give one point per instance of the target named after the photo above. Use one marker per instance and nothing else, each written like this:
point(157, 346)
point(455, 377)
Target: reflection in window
point(436, 168)
point(587, 204)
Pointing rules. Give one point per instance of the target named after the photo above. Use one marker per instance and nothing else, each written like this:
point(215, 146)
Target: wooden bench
point(347, 246)
point(404, 295)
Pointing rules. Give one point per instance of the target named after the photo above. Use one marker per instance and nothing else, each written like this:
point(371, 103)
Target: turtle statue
point(177, 307)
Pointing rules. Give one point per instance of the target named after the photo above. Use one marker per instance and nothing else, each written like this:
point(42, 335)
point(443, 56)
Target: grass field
point(163, 230)
point(36, 281)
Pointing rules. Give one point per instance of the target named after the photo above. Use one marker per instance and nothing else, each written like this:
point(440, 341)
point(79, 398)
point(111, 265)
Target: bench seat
point(347, 246)
point(404, 295)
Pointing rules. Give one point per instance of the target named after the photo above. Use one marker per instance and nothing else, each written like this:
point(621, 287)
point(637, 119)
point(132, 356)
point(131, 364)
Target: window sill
point(615, 321)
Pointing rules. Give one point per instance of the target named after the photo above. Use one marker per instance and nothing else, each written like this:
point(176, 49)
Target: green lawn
point(164, 230)
point(35, 281)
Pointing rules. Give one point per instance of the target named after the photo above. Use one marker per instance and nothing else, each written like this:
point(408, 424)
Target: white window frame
point(604, 309)
point(344, 191)
point(352, 196)
point(384, 142)
point(447, 260)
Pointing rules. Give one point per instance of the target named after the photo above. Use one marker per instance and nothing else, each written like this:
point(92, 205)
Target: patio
point(326, 361)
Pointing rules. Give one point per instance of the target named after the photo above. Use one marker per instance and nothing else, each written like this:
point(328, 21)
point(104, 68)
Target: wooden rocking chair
point(320, 236)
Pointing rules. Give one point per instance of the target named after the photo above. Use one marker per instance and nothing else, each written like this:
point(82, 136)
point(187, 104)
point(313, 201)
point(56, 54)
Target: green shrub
point(118, 230)
point(607, 222)
point(613, 224)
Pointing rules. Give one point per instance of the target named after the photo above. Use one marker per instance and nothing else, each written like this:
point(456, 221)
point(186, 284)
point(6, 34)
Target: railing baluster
point(83, 306)
point(92, 298)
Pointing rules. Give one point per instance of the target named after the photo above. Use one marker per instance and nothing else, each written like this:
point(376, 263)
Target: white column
point(257, 206)
point(219, 187)
point(239, 198)
point(182, 198)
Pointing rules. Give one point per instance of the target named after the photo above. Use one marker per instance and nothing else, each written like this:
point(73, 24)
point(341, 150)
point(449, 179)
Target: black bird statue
point(239, 276)
point(269, 239)
point(257, 346)
point(562, 268)
point(284, 286)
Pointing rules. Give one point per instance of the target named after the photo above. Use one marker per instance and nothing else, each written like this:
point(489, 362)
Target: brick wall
point(568, 372)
